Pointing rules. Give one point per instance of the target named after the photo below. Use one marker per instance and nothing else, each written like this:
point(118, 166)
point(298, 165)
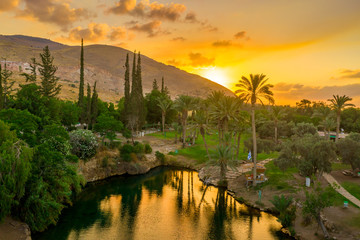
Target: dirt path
point(331, 180)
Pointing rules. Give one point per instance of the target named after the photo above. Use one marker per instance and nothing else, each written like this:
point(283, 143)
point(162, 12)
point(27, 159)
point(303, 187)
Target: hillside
point(103, 64)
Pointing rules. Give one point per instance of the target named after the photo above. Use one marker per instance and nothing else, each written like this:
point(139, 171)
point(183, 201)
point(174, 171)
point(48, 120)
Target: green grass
point(352, 188)
point(340, 166)
point(279, 179)
point(198, 151)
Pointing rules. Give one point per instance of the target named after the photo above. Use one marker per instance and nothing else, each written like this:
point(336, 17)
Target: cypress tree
point(133, 75)
point(81, 85)
point(127, 88)
point(140, 96)
point(94, 105)
point(88, 105)
point(155, 85)
point(49, 82)
point(162, 85)
point(1, 90)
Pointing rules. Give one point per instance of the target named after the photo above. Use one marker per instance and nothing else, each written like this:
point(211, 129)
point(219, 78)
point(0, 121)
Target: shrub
point(160, 156)
point(139, 148)
point(125, 152)
point(282, 205)
point(148, 148)
point(83, 143)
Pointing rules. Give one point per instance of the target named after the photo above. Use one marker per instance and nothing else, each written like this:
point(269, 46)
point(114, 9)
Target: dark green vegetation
point(119, 208)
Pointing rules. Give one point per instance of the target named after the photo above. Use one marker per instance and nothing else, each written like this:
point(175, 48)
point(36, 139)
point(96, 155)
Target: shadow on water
point(163, 204)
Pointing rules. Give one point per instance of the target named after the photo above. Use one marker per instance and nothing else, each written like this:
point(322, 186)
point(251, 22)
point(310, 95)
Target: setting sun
point(215, 74)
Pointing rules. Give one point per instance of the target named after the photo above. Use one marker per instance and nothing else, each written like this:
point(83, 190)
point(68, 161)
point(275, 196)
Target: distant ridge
point(103, 64)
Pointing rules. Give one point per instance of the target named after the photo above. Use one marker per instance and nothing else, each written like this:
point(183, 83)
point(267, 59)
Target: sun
point(215, 74)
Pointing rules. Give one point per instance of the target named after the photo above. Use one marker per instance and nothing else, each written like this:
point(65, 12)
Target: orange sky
point(308, 49)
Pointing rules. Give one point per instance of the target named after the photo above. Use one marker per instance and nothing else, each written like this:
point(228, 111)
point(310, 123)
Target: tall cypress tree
point(49, 82)
point(81, 85)
point(155, 85)
point(127, 88)
point(133, 76)
point(162, 85)
point(88, 105)
point(1, 90)
point(94, 105)
point(140, 96)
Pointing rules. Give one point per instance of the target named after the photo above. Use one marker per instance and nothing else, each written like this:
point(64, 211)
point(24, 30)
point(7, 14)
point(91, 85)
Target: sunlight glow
point(215, 74)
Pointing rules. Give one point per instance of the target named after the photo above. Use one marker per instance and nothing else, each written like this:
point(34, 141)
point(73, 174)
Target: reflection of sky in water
point(162, 205)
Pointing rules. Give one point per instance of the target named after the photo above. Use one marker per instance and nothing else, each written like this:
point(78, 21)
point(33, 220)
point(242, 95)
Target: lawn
point(340, 166)
point(279, 179)
point(198, 151)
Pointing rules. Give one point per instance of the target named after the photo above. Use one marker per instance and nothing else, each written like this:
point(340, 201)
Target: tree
point(165, 105)
point(200, 122)
point(253, 90)
point(88, 106)
point(31, 78)
point(302, 129)
point(155, 85)
point(282, 206)
point(349, 150)
point(311, 154)
point(222, 157)
point(316, 200)
point(15, 158)
point(107, 126)
point(7, 86)
point(70, 112)
point(83, 143)
point(184, 104)
point(276, 113)
point(338, 103)
point(49, 82)
point(94, 106)
point(127, 99)
point(81, 84)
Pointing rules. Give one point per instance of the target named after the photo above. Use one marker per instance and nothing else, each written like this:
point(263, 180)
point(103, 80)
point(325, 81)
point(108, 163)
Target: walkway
point(331, 180)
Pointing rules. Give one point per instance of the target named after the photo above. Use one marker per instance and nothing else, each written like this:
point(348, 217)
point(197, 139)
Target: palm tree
point(184, 104)
point(165, 105)
point(327, 121)
point(239, 125)
point(338, 103)
point(276, 113)
point(200, 122)
point(223, 157)
point(253, 90)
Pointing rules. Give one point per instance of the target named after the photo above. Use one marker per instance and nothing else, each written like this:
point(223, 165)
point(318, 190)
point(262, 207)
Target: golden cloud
point(93, 33)
point(198, 60)
point(223, 43)
point(152, 28)
point(6, 5)
point(117, 33)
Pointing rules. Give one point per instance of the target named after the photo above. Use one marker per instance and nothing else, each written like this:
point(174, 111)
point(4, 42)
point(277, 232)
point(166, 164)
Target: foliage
point(286, 213)
point(125, 152)
point(107, 126)
point(139, 148)
point(263, 145)
point(160, 157)
point(69, 113)
point(349, 150)
point(148, 148)
point(49, 82)
point(15, 158)
point(223, 157)
point(311, 154)
point(83, 143)
point(351, 119)
point(304, 128)
point(24, 123)
point(57, 138)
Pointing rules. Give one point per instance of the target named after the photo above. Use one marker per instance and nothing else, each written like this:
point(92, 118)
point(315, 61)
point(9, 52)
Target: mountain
point(103, 64)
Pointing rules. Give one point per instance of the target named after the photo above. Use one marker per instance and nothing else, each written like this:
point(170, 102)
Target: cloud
point(93, 33)
point(284, 87)
point(204, 25)
point(198, 60)
point(6, 5)
point(117, 33)
point(174, 62)
point(180, 39)
point(191, 17)
point(152, 28)
point(53, 11)
point(122, 7)
point(154, 10)
point(240, 35)
point(347, 73)
point(223, 43)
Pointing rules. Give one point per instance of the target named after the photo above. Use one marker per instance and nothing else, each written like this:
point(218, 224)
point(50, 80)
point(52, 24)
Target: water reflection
point(164, 204)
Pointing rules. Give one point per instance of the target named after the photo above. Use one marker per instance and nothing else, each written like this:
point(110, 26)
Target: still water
point(163, 204)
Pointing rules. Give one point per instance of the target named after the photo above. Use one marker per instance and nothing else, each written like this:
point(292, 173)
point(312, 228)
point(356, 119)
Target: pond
point(163, 204)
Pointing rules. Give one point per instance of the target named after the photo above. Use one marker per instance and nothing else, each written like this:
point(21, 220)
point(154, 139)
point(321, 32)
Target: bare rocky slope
point(103, 64)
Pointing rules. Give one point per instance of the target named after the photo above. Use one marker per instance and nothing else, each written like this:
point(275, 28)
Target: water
point(163, 204)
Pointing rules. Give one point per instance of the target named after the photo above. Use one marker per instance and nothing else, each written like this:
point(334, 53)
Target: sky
point(307, 48)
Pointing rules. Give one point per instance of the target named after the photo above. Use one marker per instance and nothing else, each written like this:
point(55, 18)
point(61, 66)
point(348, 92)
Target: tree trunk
point(337, 126)
point(206, 147)
point(323, 228)
point(254, 142)
point(222, 172)
point(184, 133)
point(163, 121)
point(276, 132)
point(238, 145)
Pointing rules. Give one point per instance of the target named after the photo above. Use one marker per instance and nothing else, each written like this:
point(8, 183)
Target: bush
point(139, 148)
point(148, 148)
point(125, 152)
point(83, 143)
point(160, 156)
